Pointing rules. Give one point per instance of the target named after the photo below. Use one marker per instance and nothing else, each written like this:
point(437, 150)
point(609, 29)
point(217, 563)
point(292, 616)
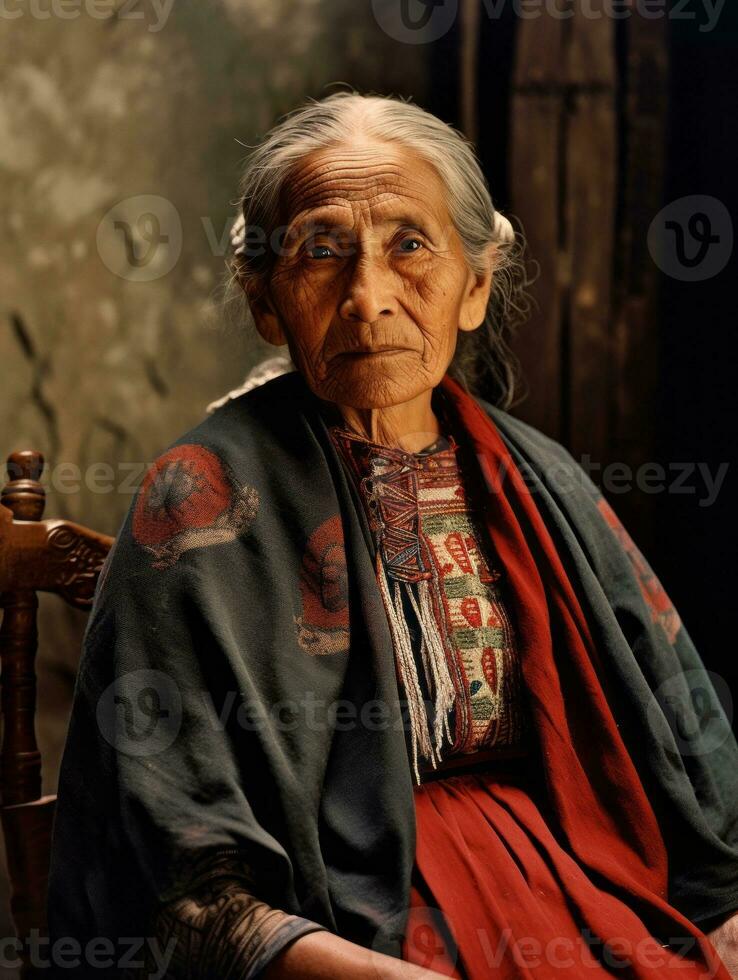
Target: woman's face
point(371, 284)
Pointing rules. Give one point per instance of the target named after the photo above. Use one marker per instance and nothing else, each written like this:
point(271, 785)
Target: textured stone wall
point(121, 136)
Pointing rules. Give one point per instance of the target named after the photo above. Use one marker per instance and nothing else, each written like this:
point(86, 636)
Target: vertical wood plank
point(636, 323)
point(537, 114)
point(564, 153)
point(587, 157)
point(590, 191)
point(535, 167)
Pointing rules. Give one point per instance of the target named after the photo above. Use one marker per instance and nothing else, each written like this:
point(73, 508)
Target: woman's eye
point(319, 252)
point(410, 245)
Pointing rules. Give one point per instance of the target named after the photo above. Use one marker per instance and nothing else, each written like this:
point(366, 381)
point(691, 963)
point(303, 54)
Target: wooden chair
point(35, 555)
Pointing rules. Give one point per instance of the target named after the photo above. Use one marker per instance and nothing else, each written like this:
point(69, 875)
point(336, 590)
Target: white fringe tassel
point(435, 667)
point(434, 655)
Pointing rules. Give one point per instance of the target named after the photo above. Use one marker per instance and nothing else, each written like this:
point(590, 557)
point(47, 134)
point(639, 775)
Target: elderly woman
point(376, 684)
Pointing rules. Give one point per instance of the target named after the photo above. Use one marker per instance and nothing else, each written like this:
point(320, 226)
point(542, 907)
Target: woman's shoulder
point(201, 489)
point(235, 443)
point(524, 435)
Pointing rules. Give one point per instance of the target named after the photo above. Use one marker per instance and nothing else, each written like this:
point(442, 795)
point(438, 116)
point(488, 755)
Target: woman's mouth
point(368, 352)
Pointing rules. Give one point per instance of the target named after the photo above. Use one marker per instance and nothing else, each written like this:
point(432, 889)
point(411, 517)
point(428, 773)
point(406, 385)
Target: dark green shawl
point(226, 598)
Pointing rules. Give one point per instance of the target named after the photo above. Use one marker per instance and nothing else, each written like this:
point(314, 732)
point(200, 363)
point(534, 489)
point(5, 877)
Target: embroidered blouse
point(443, 590)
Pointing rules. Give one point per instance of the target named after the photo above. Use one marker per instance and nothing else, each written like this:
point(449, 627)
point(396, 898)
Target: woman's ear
point(266, 317)
point(478, 287)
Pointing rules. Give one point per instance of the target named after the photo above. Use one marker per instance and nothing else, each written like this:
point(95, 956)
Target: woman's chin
point(379, 396)
point(363, 387)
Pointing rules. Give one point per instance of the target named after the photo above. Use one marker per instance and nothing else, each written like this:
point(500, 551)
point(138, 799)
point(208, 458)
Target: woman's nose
point(369, 294)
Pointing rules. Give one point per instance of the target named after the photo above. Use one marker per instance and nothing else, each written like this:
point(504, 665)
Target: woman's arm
point(324, 956)
point(219, 928)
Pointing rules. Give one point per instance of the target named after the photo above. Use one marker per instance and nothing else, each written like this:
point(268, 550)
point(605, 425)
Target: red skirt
point(496, 894)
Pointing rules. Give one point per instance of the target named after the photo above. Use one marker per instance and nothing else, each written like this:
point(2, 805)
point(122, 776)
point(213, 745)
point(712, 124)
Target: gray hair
point(483, 360)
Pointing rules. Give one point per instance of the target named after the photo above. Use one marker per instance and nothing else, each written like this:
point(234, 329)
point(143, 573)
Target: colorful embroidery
point(430, 545)
point(323, 626)
point(189, 500)
point(658, 602)
point(473, 613)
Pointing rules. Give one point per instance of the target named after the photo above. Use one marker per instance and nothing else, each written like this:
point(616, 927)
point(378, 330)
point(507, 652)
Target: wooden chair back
point(35, 556)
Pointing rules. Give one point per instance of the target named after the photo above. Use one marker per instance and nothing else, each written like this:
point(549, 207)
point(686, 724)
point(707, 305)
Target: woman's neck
point(410, 426)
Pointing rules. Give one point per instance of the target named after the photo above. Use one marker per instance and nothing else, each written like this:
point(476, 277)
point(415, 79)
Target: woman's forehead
point(381, 175)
